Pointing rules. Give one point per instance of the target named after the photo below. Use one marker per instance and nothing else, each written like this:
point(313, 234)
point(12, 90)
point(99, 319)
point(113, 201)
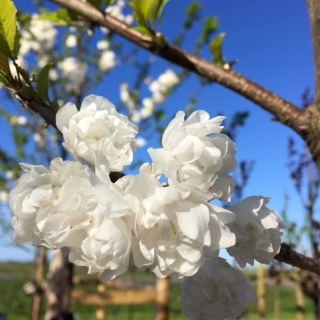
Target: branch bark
point(290, 256)
point(284, 111)
point(42, 110)
point(314, 15)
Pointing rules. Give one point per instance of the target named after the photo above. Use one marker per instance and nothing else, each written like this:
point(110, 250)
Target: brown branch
point(284, 111)
point(289, 256)
point(42, 110)
point(314, 15)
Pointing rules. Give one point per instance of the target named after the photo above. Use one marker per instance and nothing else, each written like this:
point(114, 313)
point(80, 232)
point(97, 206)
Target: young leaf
point(96, 3)
point(143, 30)
point(108, 2)
point(156, 10)
point(216, 49)
point(3, 78)
point(140, 11)
point(61, 17)
point(7, 27)
point(42, 83)
point(25, 75)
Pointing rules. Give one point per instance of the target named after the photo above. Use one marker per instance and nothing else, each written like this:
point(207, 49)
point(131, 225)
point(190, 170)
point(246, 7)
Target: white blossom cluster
point(107, 60)
point(40, 38)
point(159, 89)
point(171, 228)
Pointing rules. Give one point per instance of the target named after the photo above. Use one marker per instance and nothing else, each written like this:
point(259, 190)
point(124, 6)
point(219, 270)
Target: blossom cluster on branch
point(160, 219)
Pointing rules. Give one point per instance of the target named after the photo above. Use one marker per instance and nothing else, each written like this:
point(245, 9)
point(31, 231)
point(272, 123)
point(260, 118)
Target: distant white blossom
point(107, 60)
point(3, 196)
point(116, 10)
point(97, 126)
point(126, 98)
point(147, 109)
point(103, 45)
point(71, 41)
point(162, 85)
point(258, 231)
point(216, 292)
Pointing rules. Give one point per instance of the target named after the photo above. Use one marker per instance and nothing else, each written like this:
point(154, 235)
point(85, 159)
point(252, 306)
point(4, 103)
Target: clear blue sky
point(272, 41)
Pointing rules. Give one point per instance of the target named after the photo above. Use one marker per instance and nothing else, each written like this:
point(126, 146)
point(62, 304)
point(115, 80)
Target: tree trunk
point(39, 275)
point(59, 288)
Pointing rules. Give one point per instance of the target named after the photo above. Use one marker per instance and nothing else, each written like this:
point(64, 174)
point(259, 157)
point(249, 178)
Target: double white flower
point(97, 126)
point(217, 292)
point(196, 157)
point(171, 229)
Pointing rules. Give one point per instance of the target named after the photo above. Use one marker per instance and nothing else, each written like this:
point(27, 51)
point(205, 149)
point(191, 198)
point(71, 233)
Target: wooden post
point(100, 313)
point(39, 275)
point(162, 289)
point(59, 288)
point(261, 292)
point(298, 294)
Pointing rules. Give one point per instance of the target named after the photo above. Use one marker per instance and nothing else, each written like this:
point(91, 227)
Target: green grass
point(16, 304)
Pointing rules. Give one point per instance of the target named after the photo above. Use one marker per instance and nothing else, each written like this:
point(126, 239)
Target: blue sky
point(272, 41)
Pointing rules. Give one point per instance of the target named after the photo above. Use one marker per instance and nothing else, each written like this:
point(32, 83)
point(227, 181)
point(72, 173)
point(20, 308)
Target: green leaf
point(24, 18)
point(156, 9)
point(4, 65)
point(143, 30)
point(3, 79)
point(25, 75)
point(109, 2)
point(96, 3)
point(140, 11)
point(216, 49)
point(7, 27)
point(61, 17)
point(42, 83)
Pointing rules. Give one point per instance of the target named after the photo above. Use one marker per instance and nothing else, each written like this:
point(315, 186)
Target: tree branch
point(42, 110)
point(314, 15)
point(289, 256)
point(284, 111)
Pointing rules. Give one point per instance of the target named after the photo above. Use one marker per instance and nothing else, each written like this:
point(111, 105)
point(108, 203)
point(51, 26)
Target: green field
point(16, 305)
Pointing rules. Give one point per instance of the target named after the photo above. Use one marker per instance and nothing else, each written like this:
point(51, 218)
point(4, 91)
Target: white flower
point(195, 156)
point(53, 75)
point(71, 41)
point(126, 98)
point(68, 206)
point(22, 120)
point(103, 45)
point(162, 85)
point(40, 37)
point(257, 230)
point(107, 60)
point(216, 292)
point(97, 126)
point(73, 69)
point(3, 196)
point(38, 138)
point(173, 226)
point(9, 174)
point(140, 142)
point(148, 108)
